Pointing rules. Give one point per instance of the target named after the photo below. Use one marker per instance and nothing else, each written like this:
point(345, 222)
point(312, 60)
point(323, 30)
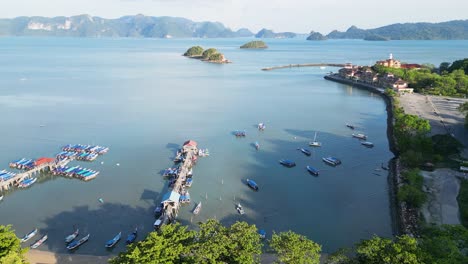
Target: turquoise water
point(143, 99)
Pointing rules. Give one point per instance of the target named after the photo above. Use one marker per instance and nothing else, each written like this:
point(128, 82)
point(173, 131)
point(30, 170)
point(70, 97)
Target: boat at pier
point(287, 163)
point(28, 236)
point(312, 170)
point(27, 182)
point(350, 126)
point(332, 161)
point(252, 184)
point(76, 243)
point(305, 151)
point(315, 143)
point(188, 182)
point(368, 144)
point(203, 152)
point(39, 242)
point(114, 240)
point(360, 136)
point(71, 237)
point(197, 208)
point(239, 209)
point(132, 237)
point(262, 233)
point(158, 210)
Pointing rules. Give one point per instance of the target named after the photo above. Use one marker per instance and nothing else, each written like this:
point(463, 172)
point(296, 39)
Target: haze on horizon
point(300, 16)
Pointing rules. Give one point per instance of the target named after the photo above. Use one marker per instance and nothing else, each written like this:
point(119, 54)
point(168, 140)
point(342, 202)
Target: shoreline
point(396, 212)
point(303, 65)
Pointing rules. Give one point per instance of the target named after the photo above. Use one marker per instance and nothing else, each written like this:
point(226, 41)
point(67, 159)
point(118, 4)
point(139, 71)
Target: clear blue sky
point(299, 16)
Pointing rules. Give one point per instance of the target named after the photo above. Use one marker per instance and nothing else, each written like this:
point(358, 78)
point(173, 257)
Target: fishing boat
point(287, 163)
point(28, 182)
point(74, 244)
point(158, 210)
point(252, 184)
point(261, 126)
point(132, 237)
point(262, 233)
point(188, 182)
point(114, 240)
point(71, 237)
point(350, 126)
point(315, 143)
point(368, 144)
point(239, 209)
point(360, 136)
point(197, 208)
point(39, 242)
point(332, 161)
point(29, 236)
point(312, 170)
point(305, 151)
point(257, 146)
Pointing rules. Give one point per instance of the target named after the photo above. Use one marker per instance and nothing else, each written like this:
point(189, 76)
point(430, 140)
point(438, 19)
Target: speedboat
point(305, 151)
point(71, 237)
point(287, 163)
point(39, 242)
point(350, 126)
point(132, 237)
point(312, 170)
point(252, 184)
point(114, 240)
point(360, 136)
point(197, 208)
point(239, 209)
point(332, 161)
point(29, 235)
point(368, 144)
point(74, 244)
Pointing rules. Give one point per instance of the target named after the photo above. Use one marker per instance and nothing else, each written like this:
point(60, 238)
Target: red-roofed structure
point(43, 160)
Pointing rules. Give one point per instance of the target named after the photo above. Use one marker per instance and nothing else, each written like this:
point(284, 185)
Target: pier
point(171, 200)
point(304, 65)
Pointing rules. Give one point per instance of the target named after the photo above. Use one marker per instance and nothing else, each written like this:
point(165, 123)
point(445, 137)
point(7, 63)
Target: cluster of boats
point(85, 156)
point(76, 171)
point(363, 137)
point(240, 133)
point(85, 148)
point(23, 164)
point(30, 235)
point(203, 152)
point(6, 175)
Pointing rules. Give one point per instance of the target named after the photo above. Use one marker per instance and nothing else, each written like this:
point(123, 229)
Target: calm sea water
point(143, 99)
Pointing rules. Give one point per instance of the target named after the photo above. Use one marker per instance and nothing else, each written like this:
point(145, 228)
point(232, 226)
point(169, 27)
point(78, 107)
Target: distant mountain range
point(175, 27)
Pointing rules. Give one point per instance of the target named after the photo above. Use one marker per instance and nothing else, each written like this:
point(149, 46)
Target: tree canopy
point(194, 51)
point(10, 247)
point(293, 248)
point(256, 44)
point(207, 53)
point(404, 250)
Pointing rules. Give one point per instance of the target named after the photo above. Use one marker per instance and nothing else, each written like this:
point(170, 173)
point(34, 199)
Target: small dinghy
point(71, 237)
point(256, 145)
point(74, 244)
point(132, 237)
point(39, 242)
point(350, 126)
point(197, 208)
point(239, 209)
point(114, 240)
point(29, 236)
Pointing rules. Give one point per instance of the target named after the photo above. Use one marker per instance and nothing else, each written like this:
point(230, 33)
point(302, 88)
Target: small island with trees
point(256, 44)
point(210, 55)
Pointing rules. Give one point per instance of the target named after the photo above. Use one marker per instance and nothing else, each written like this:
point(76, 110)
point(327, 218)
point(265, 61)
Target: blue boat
point(132, 237)
point(114, 241)
point(29, 235)
point(76, 243)
point(312, 170)
point(287, 163)
point(305, 151)
point(252, 184)
point(28, 182)
point(262, 233)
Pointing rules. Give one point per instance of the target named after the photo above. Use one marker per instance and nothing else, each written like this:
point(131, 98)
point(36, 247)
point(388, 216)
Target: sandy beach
point(46, 257)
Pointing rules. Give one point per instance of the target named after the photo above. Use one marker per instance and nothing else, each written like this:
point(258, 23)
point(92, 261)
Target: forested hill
point(456, 29)
point(127, 26)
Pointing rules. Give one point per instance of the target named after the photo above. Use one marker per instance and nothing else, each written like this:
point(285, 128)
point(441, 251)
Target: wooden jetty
point(304, 65)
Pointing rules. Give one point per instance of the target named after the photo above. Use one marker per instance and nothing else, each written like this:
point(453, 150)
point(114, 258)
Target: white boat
point(197, 208)
point(332, 161)
point(360, 136)
point(1, 197)
point(368, 144)
point(70, 238)
point(315, 143)
point(239, 209)
point(29, 235)
point(39, 242)
point(261, 126)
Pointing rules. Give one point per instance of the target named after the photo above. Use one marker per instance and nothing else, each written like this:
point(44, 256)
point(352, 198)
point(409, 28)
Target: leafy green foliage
point(446, 145)
point(463, 202)
point(459, 65)
point(444, 245)
point(256, 44)
point(404, 250)
point(411, 195)
point(293, 248)
point(207, 53)
point(194, 51)
point(10, 247)
point(217, 57)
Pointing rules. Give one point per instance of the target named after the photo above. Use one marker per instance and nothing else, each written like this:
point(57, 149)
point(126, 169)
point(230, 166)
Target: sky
point(300, 16)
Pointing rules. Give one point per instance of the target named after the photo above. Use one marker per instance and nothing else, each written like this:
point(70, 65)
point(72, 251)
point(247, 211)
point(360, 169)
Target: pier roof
point(171, 197)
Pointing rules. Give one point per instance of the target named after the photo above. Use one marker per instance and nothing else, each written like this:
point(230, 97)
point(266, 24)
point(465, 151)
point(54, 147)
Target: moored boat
point(28, 182)
point(287, 163)
point(1, 198)
point(368, 144)
point(350, 126)
point(252, 184)
point(359, 135)
point(39, 242)
point(29, 235)
point(71, 237)
point(76, 243)
point(262, 233)
point(239, 209)
point(315, 143)
point(257, 146)
point(113, 241)
point(132, 237)
point(261, 126)
point(332, 161)
point(305, 151)
point(197, 208)
point(240, 133)
point(158, 210)
point(312, 170)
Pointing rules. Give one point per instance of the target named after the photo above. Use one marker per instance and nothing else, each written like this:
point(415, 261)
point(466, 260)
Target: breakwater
point(304, 65)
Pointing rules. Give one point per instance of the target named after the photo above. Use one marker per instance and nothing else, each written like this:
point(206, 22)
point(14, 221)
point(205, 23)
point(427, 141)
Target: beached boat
point(132, 237)
point(261, 126)
point(114, 240)
point(71, 237)
point(76, 243)
point(315, 143)
point(368, 144)
point(29, 236)
point(28, 182)
point(312, 170)
point(360, 136)
point(252, 184)
point(197, 208)
point(239, 209)
point(287, 163)
point(350, 126)
point(256, 145)
point(39, 242)
point(332, 161)
point(305, 151)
